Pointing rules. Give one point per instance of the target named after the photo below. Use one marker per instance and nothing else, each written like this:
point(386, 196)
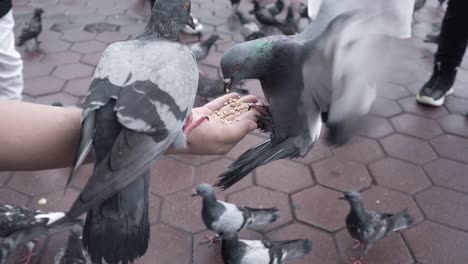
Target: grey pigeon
point(235, 3)
point(249, 29)
point(235, 251)
point(32, 29)
point(276, 7)
point(139, 99)
point(418, 4)
point(201, 49)
point(73, 253)
point(208, 87)
point(264, 16)
point(302, 76)
point(367, 226)
point(218, 215)
point(19, 225)
point(290, 26)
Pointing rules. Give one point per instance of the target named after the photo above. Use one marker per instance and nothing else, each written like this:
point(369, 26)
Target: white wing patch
point(256, 253)
point(231, 217)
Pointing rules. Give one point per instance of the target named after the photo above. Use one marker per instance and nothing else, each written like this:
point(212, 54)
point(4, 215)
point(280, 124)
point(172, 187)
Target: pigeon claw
point(210, 240)
point(28, 257)
point(357, 244)
point(356, 260)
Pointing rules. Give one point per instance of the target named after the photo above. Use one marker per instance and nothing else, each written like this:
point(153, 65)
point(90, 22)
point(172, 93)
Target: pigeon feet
point(27, 258)
point(210, 240)
point(357, 244)
point(190, 125)
point(356, 260)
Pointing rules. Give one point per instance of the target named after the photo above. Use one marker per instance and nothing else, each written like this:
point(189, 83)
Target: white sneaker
point(198, 28)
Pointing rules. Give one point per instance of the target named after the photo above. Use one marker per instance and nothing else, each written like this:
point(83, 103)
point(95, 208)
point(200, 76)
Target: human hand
point(214, 137)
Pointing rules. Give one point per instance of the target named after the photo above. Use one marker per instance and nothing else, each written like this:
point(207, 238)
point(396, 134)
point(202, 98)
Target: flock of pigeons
point(139, 105)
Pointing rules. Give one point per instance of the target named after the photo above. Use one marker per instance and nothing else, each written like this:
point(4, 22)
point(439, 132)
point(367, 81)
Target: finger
point(249, 99)
point(247, 115)
point(218, 103)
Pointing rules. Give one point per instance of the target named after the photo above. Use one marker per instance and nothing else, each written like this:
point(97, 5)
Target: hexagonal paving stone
point(43, 85)
point(8, 196)
point(37, 70)
point(410, 105)
point(78, 87)
point(109, 37)
point(456, 105)
point(202, 253)
point(385, 107)
point(323, 246)
point(432, 243)
point(399, 175)
point(39, 182)
point(89, 46)
point(342, 175)
point(91, 58)
point(57, 201)
point(100, 27)
point(392, 91)
point(79, 36)
point(285, 176)
point(248, 142)
point(448, 173)
point(61, 58)
point(455, 124)
point(451, 147)
point(259, 197)
point(359, 149)
point(167, 245)
point(375, 127)
point(169, 175)
point(416, 126)
point(320, 207)
point(73, 71)
point(408, 148)
point(320, 151)
point(195, 159)
point(183, 211)
point(209, 172)
point(387, 201)
point(389, 250)
point(154, 208)
point(54, 45)
point(445, 206)
point(4, 177)
point(64, 98)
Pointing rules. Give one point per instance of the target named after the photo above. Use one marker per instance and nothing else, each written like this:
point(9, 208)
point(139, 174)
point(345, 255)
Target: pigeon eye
point(187, 6)
point(236, 67)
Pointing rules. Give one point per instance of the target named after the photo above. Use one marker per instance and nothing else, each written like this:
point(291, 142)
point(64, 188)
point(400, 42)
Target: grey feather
point(369, 226)
point(235, 251)
point(202, 49)
point(218, 215)
point(32, 29)
point(73, 252)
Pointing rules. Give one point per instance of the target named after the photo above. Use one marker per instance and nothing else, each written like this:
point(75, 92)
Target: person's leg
point(11, 65)
point(452, 45)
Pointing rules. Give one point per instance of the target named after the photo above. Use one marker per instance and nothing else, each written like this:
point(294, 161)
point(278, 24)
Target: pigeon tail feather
point(401, 220)
point(296, 248)
point(257, 156)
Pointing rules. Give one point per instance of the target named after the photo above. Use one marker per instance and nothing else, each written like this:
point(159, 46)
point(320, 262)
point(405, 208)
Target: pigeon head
point(169, 17)
point(38, 11)
point(247, 60)
point(204, 190)
point(351, 197)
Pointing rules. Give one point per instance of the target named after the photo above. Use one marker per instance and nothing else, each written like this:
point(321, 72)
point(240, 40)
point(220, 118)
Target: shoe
point(439, 85)
point(198, 28)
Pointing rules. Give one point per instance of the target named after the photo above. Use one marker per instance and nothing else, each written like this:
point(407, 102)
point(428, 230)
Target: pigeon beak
point(194, 193)
point(228, 84)
point(191, 23)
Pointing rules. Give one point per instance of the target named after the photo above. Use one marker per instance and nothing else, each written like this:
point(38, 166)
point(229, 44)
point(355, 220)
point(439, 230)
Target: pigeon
point(249, 29)
point(218, 215)
point(276, 7)
point(303, 12)
point(418, 4)
point(235, 251)
point(73, 253)
point(33, 29)
point(137, 106)
point(343, 85)
point(20, 225)
point(368, 227)
point(201, 49)
point(264, 16)
point(208, 87)
point(235, 4)
point(290, 26)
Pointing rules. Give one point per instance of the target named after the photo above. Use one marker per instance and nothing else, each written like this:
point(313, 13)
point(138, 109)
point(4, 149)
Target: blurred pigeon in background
point(208, 87)
point(249, 29)
point(219, 215)
point(264, 16)
point(367, 226)
point(290, 26)
point(139, 99)
point(32, 29)
point(202, 48)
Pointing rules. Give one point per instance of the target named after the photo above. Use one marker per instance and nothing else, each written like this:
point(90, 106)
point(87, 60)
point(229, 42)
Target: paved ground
point(410, 156)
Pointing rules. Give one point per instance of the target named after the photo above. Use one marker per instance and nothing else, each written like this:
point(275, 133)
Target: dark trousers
point(453, 35)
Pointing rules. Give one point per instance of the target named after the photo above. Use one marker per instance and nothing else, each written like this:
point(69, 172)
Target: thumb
point(240, 129)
